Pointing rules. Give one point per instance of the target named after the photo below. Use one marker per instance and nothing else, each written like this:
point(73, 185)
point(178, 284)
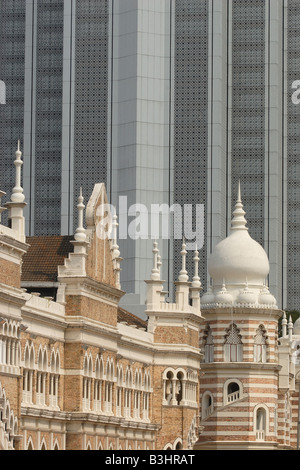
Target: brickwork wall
point(10, 273)
point(91, 308)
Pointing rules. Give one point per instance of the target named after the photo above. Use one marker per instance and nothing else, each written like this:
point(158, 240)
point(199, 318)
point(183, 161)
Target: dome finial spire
point(238, 221)
point(80, 235)
point(183, 275)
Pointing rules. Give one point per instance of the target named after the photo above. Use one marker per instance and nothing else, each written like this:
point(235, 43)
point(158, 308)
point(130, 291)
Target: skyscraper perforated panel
point(190, 114)
point(49, 73)
point(293, 161)
point(12, 62)
point(248, 109)
point(91, 95)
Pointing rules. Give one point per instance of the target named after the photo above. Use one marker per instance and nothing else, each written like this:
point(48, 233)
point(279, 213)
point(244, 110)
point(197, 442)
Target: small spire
point(17, 192)
point(116, 251)
point(238, 221)
point(115, 247)
point(196, 279)
point(183, 275)
point(290, 328)
point(155, 276)
point(2, 193)
point(284, 323)
point(80, 235)
point(159, 263)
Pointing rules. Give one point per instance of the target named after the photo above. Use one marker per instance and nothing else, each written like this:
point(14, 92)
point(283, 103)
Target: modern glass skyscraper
point(167, 102)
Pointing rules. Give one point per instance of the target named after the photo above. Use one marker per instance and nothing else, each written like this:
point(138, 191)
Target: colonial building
point(76, 370)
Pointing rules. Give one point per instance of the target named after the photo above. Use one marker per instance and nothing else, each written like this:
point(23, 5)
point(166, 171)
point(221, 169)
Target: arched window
point(56, 446)
point(207, 404)
point(168, 447)
point(146, 395)
point(54, 379)
point(30, 444)
point(233, 391)
point(261, 421)
point(137, 394)
point(208, 345)
point(119, 391)
point(43, 445)
point(169, 387)
point(128, 393)
point(98, 383)
point(28, 372)
point(260, 345)
point(87, 382)
point(109, 386)
point(233, 348)
point(180, 387)
point(41, 377)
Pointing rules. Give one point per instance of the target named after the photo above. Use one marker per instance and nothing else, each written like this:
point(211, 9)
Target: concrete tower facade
point(167, 102)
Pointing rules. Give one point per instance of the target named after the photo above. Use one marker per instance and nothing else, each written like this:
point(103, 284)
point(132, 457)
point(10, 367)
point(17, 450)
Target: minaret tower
point(239, 381)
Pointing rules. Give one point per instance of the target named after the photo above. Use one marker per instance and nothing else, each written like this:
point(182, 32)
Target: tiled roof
point(124, 316)
point(44, 255)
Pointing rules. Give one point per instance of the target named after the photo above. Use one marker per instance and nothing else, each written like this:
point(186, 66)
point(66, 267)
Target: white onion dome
point(266, 298)
point(208, 297)
point(297, 327)
point(246, 296)
point(223, 297)
point(238, 259)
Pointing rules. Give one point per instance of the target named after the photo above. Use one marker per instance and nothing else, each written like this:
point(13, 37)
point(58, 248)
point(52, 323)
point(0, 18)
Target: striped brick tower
point(239, 380)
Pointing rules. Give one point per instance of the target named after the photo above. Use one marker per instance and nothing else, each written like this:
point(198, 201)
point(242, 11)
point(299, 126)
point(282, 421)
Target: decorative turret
point(290, 328)
point(80, 233)
point(196, 287)
point(155, 292)
point(116, 251)
point(183, 285)
point(284, 325)
point(75, 264)
point(17, 200)
point(239, 342)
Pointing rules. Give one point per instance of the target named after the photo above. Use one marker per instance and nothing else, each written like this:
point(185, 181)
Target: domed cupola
point(238, 259)
point(297, 327)
point(223, 297)
point(247, 297)
point(240, 263)
point(266, 299)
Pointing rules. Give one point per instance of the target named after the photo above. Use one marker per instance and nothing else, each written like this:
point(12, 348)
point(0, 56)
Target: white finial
point(80, 235)
point(238, 221)
point(17, 192)
point(284, 323)
point(290, 328)
point(155, 270)
point(115, 247)
point(196, 279)
point(116, 252)
point(159, 263)
point(2, 193)
point(183, 275)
